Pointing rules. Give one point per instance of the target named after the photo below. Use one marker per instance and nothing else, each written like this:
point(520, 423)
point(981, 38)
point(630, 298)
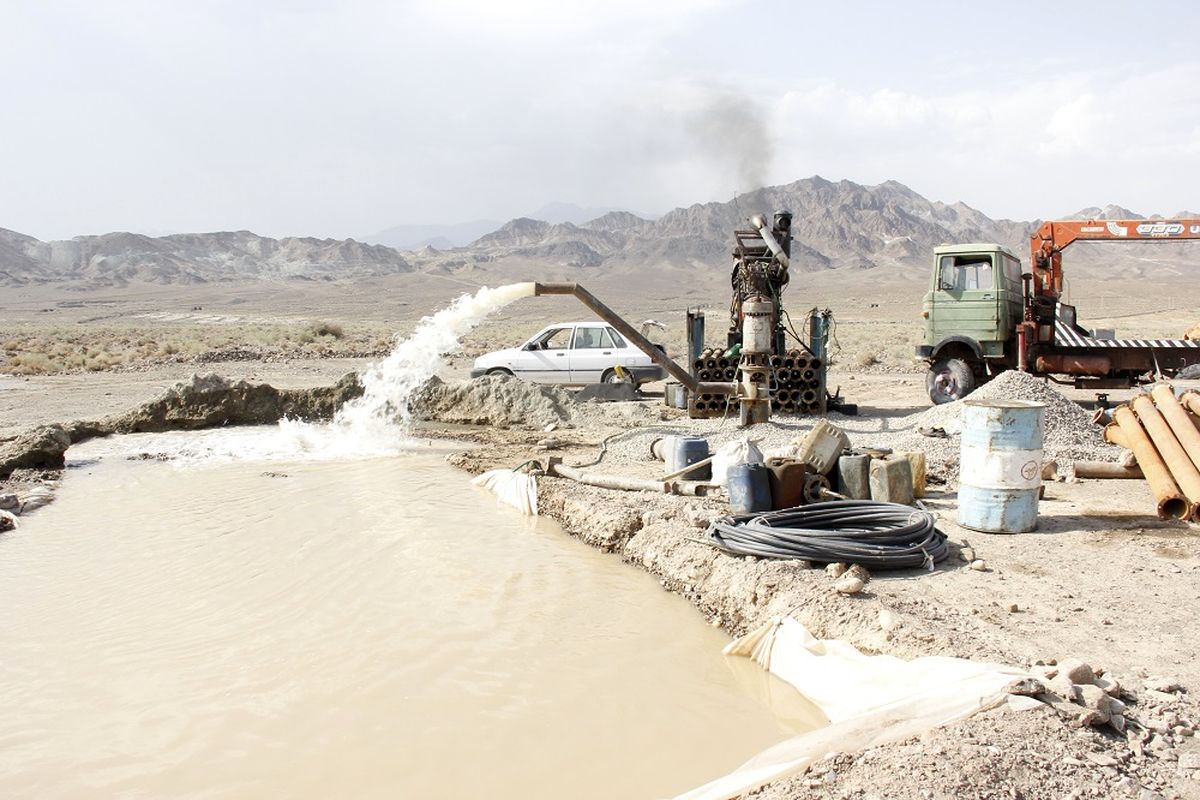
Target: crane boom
point(1047, 244)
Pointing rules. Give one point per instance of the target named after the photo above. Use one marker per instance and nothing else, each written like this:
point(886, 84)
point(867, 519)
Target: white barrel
point(1000, 468)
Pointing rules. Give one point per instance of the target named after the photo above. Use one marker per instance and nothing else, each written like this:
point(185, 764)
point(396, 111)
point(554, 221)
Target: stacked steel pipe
point(1163, 433)
point(795, 381)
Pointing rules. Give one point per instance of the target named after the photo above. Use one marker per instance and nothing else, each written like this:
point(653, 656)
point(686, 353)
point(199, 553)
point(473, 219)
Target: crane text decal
point(1117, 230)
point(1160, 229)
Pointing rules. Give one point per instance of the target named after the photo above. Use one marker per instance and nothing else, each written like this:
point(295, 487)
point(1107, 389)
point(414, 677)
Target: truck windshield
point(960, 273)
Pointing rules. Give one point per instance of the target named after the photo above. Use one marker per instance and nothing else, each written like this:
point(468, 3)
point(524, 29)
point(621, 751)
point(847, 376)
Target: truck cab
point(974, 303)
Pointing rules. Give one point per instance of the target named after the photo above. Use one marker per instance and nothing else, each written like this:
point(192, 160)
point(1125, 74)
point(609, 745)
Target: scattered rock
point(1189, 759)
point(849, 584)
point(967, 554)
point(1161, 684)
point(888, 620)
point(41, 448)
point(1093, 697)
point(836, 570)
point(1077, 671)
point(979, 565)
point(36, 499)
point(8, 502)
point(8, 522)
point(1013, 608)
point(1109, 685)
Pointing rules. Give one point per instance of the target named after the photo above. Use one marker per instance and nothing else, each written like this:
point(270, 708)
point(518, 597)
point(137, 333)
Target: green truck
point(983, 315)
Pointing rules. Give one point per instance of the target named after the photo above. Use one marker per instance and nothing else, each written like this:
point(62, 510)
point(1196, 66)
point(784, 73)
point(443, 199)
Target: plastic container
point(916, 460)
point(1000, 465)
point(823, 445)
point(892, 480)
point(787, 482)
point(854, 477)
point(749, 488)
point(689, 450)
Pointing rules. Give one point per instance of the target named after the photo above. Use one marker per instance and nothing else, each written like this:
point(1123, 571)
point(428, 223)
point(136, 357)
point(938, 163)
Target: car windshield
point(553, 339)
point(958, 273)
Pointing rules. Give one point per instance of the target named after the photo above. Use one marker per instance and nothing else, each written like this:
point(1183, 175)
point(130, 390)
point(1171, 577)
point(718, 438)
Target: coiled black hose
point(876, 535)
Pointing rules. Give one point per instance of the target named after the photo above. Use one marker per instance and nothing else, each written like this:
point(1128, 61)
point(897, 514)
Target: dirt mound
point(41, 448)
point(211, 401)
point(493, 400)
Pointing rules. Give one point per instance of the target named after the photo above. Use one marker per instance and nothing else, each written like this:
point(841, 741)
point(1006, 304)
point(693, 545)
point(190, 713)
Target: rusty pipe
point(1186, 476)
point(623, 483)
point(632, 334)
point(1106, 469)
point(1178, 420)
point(1095, 366)
point(1191, 401)
point(1168, 500)
point(1113, 434)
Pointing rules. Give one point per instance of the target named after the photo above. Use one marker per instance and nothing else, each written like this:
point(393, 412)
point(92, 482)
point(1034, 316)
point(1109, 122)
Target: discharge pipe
point(760, 224)
point(632, 334)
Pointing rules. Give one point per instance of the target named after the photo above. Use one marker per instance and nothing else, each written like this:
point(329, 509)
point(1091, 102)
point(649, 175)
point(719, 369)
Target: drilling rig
point(771, 377)
point(754, 371)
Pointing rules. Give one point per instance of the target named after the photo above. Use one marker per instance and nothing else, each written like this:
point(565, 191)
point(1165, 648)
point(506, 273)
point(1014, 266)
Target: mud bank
point(997, 754)
point(1097, 582)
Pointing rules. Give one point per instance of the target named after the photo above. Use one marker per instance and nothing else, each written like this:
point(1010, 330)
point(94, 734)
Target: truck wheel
point(949, 379)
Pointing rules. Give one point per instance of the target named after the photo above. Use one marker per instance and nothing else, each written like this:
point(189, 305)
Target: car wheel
point(949, 379)
point(500, 371)
point(611, 376)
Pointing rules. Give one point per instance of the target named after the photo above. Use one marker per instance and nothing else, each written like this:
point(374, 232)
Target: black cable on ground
point(876, 535)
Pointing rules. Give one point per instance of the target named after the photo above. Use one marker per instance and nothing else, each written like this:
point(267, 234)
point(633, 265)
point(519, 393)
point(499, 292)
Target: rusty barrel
point(1000, 468)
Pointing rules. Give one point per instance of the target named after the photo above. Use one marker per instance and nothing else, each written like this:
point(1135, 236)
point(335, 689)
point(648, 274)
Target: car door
point(546, 357)
point(592, 352)
point(966, 298)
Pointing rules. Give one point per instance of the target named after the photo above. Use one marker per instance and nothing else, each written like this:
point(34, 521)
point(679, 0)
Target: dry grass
point(40, 349)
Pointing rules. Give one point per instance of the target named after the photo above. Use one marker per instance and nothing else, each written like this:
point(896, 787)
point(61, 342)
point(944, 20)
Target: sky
point(341, 119)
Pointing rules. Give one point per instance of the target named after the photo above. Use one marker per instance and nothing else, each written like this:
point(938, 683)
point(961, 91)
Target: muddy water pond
point(373, 628)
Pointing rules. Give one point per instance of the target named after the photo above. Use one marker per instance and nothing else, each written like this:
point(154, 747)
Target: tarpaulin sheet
point(516, 489)
point(869, 700)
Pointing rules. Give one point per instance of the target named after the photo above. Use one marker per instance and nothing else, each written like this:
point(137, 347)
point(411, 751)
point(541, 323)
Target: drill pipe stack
point(1163, 433)
point(795, 383)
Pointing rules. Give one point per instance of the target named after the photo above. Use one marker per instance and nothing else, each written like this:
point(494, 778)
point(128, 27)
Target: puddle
point(371, 628)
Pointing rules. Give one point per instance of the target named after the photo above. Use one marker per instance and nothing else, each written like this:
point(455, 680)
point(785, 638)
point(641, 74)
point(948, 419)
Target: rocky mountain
point(116, 259)
point(835, 225)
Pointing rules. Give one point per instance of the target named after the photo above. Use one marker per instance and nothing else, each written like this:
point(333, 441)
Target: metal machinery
point(769, 375)
point(983, 315)
point(754, 370)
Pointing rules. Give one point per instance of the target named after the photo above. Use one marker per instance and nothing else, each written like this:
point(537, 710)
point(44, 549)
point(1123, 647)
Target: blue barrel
point(749, 488)
point(1000, 468)
point(689, 450)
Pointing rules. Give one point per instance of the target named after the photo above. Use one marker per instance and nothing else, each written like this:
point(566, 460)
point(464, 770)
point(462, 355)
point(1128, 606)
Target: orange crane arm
point(1047, 244)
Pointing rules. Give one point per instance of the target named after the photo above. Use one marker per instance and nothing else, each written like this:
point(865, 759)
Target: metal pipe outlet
point(632, 334)
point(1169, 501)
point(760, 224)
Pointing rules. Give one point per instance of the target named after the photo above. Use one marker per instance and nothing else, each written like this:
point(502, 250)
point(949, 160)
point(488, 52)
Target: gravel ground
point(1070, 433)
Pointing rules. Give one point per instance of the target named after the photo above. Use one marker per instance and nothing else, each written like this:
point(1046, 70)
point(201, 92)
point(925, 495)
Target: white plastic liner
point(869, 700)
point(729, 455)
point(517, 489)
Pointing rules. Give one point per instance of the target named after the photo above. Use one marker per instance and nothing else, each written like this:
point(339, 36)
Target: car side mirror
point(529, 346)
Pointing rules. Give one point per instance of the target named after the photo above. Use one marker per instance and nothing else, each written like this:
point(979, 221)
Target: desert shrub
point(325, 328)
point(865, 358)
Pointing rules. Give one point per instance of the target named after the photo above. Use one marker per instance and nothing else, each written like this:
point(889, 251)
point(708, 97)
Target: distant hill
point(838, 225)
point(116, 259)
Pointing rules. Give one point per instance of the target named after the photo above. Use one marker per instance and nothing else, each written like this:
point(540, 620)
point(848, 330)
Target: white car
point(571, 353)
